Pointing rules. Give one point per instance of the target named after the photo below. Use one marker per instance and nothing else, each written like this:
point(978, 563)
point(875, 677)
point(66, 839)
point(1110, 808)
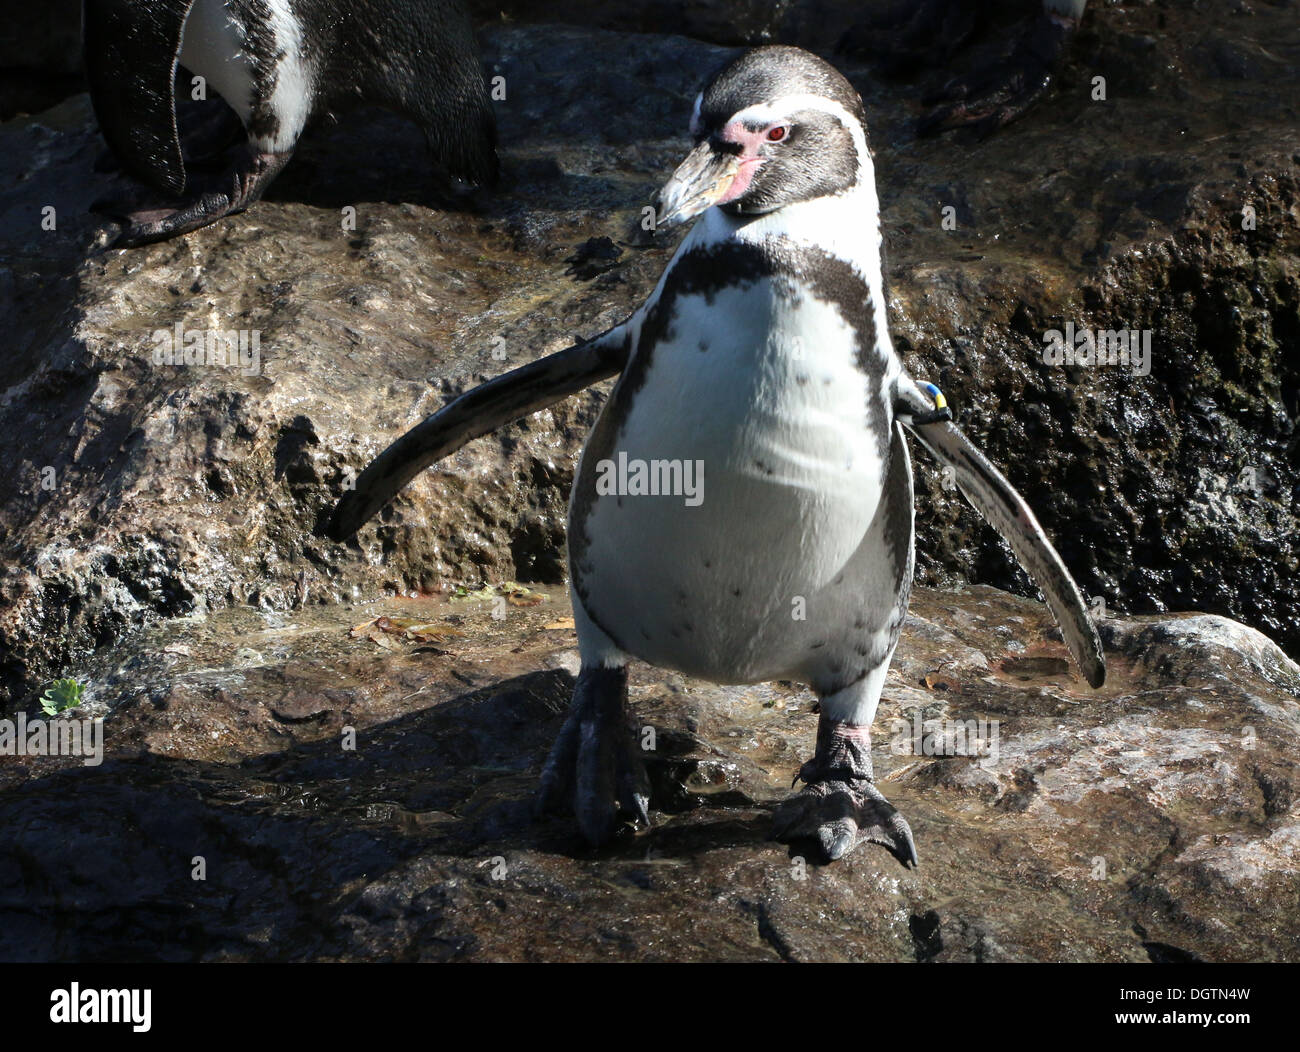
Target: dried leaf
point(383, 631)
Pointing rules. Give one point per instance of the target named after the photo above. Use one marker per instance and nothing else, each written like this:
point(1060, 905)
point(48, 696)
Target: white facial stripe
point(783, 109)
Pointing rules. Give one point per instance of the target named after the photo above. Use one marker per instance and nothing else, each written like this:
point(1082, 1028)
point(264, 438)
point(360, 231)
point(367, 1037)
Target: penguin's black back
point(417, 57)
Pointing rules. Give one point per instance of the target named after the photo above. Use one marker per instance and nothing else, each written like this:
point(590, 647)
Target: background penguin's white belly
point(212, 46)
point(763, 390)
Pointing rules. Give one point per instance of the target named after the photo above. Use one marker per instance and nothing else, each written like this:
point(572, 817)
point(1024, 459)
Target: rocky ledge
point(343, 792)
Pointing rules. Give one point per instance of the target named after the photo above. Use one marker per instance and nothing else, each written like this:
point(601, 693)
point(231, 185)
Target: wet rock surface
point(157, 534)
point(1154, 819)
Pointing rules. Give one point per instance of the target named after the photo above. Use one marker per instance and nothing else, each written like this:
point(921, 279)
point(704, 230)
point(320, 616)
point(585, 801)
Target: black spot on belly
point(801, 379)
point(736, 592)
point(817, 646)
point(859, 624)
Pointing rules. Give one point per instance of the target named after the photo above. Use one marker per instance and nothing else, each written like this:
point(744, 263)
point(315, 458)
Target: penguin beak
point(700, 181)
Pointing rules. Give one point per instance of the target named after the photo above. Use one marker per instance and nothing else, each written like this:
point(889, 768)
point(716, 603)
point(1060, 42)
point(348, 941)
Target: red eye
point(776, 134)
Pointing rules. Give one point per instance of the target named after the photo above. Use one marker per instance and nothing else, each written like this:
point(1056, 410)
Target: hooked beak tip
point(699, 182)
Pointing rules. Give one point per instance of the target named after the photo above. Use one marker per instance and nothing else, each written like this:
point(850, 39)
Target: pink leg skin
point(840, 804)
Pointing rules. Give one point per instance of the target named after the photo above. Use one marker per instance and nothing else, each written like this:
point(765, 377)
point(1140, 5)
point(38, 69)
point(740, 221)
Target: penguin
point(761, 369)
point(275, 63)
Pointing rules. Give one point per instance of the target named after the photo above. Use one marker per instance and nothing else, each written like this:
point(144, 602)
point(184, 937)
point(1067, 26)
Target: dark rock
point(1156, 819)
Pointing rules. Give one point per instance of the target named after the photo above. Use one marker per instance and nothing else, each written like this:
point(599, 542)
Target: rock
point(1158, 818)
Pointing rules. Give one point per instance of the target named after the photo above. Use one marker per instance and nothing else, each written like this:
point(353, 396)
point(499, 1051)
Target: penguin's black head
point(776, 126)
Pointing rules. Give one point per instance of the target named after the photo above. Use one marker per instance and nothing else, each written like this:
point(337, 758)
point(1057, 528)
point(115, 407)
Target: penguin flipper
point(1006, 511)
point(500, 401)
point(131, 49)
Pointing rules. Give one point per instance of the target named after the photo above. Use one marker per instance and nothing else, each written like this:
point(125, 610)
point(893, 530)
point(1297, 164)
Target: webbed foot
point(840, 804)
point(147, 219)
point(594, 765)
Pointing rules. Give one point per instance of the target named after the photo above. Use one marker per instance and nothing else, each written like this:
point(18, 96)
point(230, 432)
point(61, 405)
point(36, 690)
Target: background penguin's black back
point(417, 57)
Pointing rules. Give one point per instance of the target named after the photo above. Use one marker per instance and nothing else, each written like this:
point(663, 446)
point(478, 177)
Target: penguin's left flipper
point(498, 402)
point(1006, 511)
point(995, 97)
point(229, 193)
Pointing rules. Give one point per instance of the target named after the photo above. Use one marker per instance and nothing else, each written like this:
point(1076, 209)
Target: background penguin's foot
point(146, 220)
point(840, 804)
point(993, 97)
point(594, 765)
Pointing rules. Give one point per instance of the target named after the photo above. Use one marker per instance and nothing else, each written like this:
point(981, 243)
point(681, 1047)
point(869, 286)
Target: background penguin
point(764, 355)
point(275, 63)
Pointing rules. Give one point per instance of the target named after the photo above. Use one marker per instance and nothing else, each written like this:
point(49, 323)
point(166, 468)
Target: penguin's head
point(776, 126)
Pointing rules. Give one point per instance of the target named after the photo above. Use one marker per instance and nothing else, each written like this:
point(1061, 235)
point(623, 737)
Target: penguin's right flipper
point(500, 401)
point(439, 85)
point(131, 50)
point(1006, 511)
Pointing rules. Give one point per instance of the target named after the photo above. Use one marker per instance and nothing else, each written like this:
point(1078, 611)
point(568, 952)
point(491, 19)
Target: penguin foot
point(833, 815)
point(146, 221)
point(594, 765)
point(994, 97)
point(840, 803)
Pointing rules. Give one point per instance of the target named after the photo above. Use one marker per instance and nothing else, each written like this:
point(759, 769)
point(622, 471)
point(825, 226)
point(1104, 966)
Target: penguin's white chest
point(753, 399)
point(212, 47)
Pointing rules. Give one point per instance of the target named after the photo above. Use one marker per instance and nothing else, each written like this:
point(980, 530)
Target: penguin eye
point(777, 133)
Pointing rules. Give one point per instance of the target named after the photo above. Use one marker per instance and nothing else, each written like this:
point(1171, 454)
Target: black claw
point(835, 814)
point(242, 183)
point(594, 766)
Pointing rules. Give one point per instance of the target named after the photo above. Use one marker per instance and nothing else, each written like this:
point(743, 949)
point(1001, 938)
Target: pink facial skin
point(751, 143)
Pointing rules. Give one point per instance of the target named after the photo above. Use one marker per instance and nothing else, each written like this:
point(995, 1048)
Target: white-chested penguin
point(276, 62)
point(763, 355)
